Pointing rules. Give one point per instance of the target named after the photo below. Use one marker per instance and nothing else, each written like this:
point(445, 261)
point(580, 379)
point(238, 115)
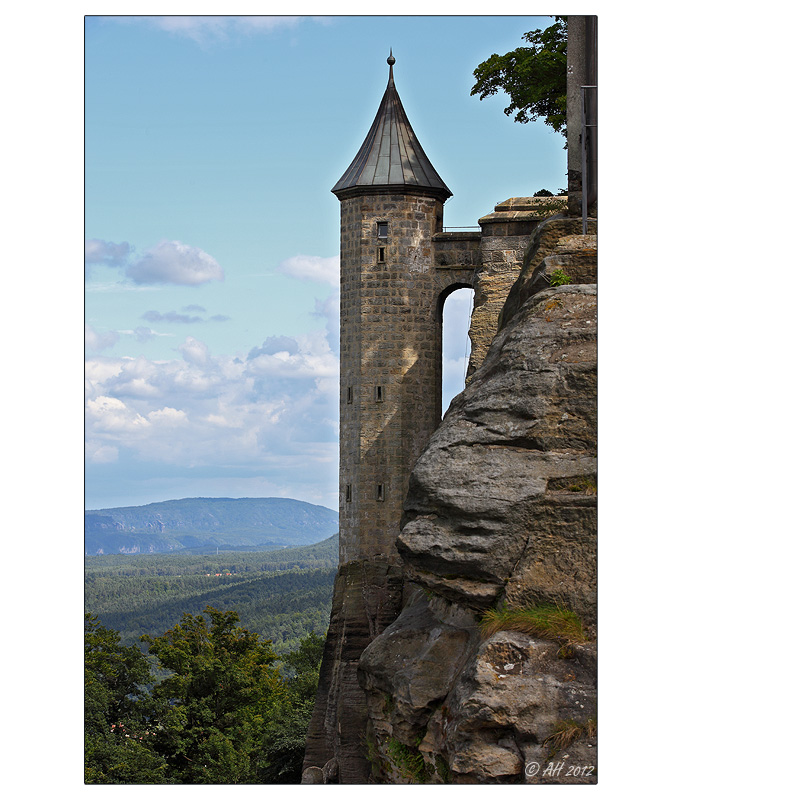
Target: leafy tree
point(118, 711)
point(224, 713)
point(285, 733)
point(534, 78)
point(220, 691)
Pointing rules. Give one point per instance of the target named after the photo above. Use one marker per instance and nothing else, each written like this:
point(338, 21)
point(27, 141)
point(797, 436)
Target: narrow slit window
point(379, 394)
point(349, 394)
point(380, 493)
point(348, 493)
point(381, 255)
point(383, 230)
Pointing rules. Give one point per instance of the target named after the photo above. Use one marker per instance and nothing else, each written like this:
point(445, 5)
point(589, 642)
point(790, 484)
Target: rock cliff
point(501, 516)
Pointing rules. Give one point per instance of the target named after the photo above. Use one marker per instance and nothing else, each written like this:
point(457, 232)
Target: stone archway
point(455, 318)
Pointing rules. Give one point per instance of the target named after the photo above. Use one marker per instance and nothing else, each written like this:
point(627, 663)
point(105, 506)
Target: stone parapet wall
point(505, 234)
point(457, 249)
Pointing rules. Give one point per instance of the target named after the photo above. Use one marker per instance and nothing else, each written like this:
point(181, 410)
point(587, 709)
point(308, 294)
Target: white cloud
point(98, 341)
point(101, 454)
point(96, 251)
point(275, 413)
point(205, 29)
point(256, 24)
point(312, 268)
point(456, 318)
point(112, 415)
point(311, 357)
point(194, 351)
point(328, 309)
point(177, 263)
point(167, 417)
point(143, 333)
point(275, 344)
point(455, 343)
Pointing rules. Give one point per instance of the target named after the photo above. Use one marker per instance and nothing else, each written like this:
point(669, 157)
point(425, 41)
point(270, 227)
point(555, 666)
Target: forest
point(226, 709)
point(282, 595)
point(202, 667)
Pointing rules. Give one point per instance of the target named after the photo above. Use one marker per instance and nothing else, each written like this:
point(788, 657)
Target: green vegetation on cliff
point(545, 620)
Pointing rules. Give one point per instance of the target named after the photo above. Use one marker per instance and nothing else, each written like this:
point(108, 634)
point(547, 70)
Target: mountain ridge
point(172, 525)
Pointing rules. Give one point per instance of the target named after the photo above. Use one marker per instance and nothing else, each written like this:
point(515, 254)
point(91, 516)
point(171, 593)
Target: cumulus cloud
point(174, 316)
point(456, 318)
point(144, 334)
point(109, 254)
point(312, 268)
point(328, 310)
point(207, 29)
point(167, 416)
point(455, 344)
point(176, 263)
point(274, 413)
point(96, 251)
point(98, 341)
point(273, 345)
point(194, 351)
point(170, 316)
point(312, 358)
point(101, 454)
point(110, 414)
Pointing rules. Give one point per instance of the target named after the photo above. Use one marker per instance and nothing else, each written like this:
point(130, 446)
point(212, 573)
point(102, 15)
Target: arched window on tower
point(455, 343)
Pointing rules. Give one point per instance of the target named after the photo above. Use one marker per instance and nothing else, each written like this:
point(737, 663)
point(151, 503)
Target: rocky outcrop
point(501, 511)
point(558, 236)
point(505, 234)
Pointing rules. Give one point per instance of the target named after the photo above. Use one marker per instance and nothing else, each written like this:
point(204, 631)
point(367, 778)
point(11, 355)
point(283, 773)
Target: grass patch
point(559, 278)
point(586, 486)
point(568, 731)
point(545, 620)
point(442, 768)
point(408, 761)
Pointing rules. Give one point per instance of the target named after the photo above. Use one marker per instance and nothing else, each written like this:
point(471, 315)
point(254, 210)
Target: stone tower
point(390, 403)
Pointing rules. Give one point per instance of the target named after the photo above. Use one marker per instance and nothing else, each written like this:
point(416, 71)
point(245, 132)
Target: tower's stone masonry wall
point(390, 363)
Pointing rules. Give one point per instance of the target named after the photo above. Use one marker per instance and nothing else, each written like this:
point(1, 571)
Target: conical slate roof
point(391, 156)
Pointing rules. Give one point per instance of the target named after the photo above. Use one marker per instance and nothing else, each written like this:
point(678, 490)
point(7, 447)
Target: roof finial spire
point(391, 61)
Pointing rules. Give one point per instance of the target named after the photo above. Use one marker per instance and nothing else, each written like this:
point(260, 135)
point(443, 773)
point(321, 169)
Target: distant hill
point(202, 522)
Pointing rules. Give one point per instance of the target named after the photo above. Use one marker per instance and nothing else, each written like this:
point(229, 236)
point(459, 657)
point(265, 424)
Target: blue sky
point(211, 299)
